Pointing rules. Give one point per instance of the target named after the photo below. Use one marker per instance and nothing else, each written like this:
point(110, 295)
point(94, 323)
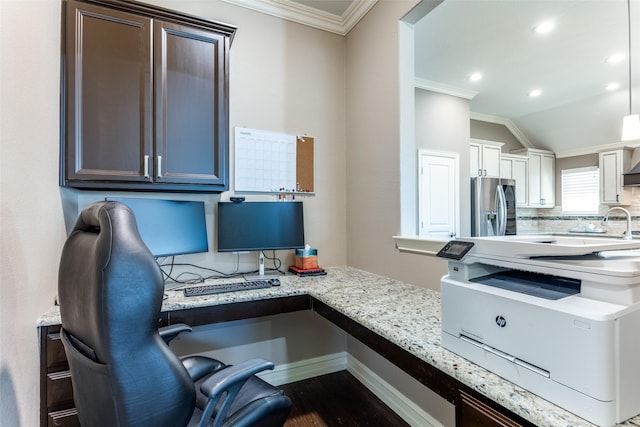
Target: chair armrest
point(226, 384)
point(167, 333)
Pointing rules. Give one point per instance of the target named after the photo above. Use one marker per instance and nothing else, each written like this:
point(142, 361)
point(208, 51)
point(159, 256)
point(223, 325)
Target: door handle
point(501, 207)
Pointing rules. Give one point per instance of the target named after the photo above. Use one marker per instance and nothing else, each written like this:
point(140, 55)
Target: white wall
point(374, 211)
point(284, 77)
point(31, 224)
point(442, 123)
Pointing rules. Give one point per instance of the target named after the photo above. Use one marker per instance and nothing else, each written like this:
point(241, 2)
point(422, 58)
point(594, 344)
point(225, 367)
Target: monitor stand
point(261, 275)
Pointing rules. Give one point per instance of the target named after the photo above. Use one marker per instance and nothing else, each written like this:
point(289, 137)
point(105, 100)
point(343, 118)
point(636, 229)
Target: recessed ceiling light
point(544, 27)
point(616, 57)
point(534, 93)
point(475, 77)
point(612, 86)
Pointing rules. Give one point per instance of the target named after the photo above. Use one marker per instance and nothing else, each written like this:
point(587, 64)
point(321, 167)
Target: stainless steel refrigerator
point(493, 206)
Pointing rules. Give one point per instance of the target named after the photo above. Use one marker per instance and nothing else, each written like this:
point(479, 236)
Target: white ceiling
point(574, 114)
point(495, 37)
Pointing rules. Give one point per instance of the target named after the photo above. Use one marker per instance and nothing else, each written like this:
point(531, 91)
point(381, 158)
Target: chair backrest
point(110, 292)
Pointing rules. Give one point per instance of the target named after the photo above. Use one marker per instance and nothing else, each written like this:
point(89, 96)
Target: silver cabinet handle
point(159, 168)
point(146, 166)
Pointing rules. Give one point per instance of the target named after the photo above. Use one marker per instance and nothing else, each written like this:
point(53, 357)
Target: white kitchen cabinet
point(612, 165)
point(485, 158)
point(541, 177)
point(514, 166)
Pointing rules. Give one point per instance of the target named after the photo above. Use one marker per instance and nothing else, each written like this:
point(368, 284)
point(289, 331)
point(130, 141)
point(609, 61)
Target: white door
point(438, 193)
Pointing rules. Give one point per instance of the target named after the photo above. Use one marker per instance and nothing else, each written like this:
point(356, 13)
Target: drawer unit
point(56, 391)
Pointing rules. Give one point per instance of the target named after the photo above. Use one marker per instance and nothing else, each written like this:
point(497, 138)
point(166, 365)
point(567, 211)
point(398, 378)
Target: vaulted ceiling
point(574, 112)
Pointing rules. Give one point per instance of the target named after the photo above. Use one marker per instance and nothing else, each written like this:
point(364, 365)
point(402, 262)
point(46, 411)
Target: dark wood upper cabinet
point(145, 99)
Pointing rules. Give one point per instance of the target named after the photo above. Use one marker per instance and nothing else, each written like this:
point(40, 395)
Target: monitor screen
point(170, 227)
point(257, 226)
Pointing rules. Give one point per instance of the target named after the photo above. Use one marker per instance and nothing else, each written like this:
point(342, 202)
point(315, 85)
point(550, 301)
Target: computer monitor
point(260, 226)
point(169, 227)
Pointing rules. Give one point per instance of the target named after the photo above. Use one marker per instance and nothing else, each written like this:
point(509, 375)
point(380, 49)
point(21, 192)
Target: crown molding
point(507, 123)
point(309, 16)
point(444, 88)
point(595, 149)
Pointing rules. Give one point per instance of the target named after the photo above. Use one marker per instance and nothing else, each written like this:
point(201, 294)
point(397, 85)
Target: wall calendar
point(273, 162)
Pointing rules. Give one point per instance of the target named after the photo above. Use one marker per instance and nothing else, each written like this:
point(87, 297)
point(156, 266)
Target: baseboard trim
point(394, 399)
point(305, 369)
point(309, 368)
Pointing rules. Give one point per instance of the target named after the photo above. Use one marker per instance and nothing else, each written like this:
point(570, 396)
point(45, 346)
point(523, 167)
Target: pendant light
point(630, 123)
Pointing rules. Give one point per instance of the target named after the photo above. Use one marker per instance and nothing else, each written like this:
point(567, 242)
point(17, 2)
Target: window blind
point(581, 190)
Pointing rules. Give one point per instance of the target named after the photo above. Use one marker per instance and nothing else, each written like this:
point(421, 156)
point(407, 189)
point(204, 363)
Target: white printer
point(559, 316)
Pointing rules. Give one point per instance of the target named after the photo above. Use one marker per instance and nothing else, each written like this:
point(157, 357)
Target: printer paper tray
point(538, 285)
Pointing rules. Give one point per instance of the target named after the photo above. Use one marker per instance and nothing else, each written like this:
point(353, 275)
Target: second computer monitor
point(259, 226)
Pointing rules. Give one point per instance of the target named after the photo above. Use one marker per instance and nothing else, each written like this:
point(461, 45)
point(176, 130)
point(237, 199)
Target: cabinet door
point(491, 160)
point(547, 181)
point(520, 174)
point(535, 164)
point(506, 168)
point(475, 159)
point(108, 95)
point(191, 105)
point(612, 165)
point(609, 182)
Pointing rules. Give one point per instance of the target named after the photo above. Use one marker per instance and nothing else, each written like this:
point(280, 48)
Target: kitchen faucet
point(626, 212)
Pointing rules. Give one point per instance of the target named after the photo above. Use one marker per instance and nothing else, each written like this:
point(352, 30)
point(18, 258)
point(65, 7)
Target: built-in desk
point(399, 321)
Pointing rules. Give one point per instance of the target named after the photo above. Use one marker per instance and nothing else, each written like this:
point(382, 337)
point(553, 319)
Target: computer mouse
point(274, 282)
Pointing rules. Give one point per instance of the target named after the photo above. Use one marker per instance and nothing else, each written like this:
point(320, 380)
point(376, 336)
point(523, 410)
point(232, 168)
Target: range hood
point(632, 177)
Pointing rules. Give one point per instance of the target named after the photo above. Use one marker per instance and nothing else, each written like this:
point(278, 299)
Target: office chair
point(123, 373)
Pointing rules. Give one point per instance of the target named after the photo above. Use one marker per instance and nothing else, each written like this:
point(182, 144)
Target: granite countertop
point(406, 315)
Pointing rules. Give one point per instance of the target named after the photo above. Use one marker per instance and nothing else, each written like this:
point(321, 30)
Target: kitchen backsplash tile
point(555, 221)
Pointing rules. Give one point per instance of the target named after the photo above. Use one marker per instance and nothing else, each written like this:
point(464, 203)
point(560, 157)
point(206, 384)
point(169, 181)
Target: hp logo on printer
point(501, 321)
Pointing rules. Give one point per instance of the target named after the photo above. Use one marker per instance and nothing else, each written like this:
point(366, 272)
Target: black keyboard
point(219, 288)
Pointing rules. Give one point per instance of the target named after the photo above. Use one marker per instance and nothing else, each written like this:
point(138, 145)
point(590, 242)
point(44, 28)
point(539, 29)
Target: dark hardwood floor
point(337, 399)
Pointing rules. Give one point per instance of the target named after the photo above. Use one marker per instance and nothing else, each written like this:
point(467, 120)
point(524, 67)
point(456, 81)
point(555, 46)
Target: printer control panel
point(455, 249)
